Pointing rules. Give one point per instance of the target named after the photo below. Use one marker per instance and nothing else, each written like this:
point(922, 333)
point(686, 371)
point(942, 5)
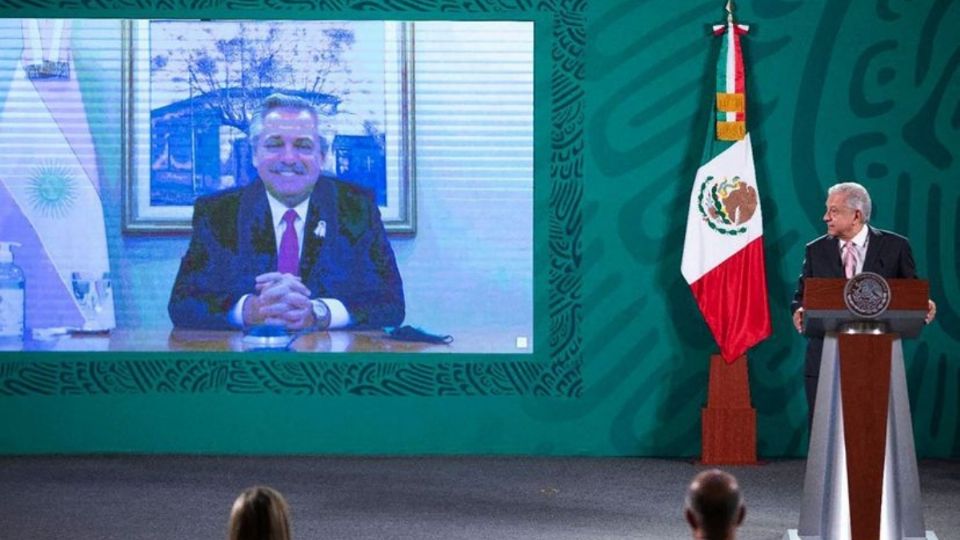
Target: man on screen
point(850, 246)
point(293, 248)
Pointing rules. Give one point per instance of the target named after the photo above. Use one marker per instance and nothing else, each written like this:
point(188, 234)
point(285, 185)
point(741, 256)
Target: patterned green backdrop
point(836, 90)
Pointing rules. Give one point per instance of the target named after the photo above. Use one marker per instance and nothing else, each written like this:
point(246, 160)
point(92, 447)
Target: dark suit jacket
point(234, 241)
point(888, 254)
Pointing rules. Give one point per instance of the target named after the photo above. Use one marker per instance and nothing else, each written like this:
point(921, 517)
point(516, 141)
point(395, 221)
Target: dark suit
point(888, 254)
point(234, 241)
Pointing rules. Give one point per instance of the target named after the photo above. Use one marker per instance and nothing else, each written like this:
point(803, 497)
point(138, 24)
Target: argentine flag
point(50, 188)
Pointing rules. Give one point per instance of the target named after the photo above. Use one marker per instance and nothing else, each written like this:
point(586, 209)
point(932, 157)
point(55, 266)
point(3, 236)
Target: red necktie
point(289, 256)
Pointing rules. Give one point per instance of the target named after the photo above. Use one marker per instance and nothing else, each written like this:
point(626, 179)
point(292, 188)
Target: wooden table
point(181, 340)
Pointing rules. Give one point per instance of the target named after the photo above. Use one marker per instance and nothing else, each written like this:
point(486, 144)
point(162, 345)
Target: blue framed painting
point(191, 88)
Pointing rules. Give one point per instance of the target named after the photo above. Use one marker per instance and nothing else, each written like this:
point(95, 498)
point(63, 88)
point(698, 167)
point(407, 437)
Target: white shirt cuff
point(235, 315)
point(339, 316)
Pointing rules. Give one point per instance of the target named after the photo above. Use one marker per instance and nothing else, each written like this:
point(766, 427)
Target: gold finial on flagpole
point(730, 11)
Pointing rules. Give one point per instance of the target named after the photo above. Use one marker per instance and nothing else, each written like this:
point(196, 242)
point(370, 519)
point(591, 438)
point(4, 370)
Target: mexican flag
point(723, 251)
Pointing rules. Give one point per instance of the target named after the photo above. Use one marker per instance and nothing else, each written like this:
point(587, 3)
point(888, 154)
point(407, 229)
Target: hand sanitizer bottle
point(12, 298)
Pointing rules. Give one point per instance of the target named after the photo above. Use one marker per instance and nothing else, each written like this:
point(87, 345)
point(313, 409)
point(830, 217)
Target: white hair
point(283, 101)
point(856, 197)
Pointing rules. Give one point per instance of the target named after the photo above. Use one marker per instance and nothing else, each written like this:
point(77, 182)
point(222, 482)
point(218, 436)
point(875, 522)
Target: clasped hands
point(282, 300)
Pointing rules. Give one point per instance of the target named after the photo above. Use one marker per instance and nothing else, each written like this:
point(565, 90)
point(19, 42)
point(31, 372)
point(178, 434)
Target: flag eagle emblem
point(727, 204)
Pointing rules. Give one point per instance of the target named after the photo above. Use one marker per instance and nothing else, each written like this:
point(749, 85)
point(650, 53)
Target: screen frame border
point(554, 369)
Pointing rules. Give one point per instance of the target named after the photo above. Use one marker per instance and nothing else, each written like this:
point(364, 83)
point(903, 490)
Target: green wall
point(836, 90)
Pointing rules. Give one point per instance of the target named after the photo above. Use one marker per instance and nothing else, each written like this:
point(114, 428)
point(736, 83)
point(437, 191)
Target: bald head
point(714, 508)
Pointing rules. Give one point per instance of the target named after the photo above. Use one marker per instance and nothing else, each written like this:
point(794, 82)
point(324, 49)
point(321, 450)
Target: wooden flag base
point(729, 423)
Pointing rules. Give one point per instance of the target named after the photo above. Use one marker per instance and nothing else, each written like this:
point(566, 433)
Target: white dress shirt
point(339, 316)
point(860, 241)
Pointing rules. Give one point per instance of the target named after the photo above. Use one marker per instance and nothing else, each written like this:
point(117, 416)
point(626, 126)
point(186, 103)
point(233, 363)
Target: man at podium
point(850, 246)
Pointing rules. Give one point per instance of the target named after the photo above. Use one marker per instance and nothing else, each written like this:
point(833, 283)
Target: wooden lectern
point(861, 479)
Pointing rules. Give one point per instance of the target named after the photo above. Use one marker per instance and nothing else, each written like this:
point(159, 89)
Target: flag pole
point(729, 421)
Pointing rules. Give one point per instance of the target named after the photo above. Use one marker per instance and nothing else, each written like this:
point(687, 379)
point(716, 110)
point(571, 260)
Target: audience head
point(259, 513)
point(714, 508)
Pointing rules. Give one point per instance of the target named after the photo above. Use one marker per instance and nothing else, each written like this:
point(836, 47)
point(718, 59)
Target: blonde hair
point(259, 513)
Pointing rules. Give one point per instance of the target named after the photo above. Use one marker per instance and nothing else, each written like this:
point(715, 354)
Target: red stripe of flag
point(733, 299)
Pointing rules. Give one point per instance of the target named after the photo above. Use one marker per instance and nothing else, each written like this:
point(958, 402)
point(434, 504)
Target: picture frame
point(190, 88)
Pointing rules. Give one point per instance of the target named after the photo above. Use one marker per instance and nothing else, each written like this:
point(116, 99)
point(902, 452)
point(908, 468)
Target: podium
point(861, 479)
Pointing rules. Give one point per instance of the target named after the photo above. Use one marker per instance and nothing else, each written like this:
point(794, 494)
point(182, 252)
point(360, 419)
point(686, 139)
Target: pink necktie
point(849, 259)
point(289, 256)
